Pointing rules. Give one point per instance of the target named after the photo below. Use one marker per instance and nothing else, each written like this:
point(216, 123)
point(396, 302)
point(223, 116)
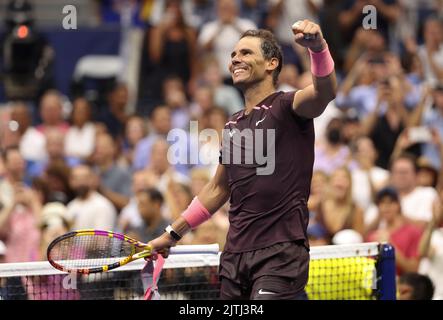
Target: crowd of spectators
point(378, 152)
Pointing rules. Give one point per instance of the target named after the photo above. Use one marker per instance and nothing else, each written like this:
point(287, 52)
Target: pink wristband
point(196, 213)
point(322, 64)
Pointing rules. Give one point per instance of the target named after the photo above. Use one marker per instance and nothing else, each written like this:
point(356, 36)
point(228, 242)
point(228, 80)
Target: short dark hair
point(269, 47)
point(406, 156)
point(153, 194)
point(422, 286)
point(387, 192)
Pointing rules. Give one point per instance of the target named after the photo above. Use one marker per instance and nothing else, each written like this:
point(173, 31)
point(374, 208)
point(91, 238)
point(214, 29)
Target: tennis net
point(343, 272)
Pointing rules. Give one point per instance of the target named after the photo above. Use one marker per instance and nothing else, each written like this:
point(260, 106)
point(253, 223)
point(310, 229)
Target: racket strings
point(90, 251)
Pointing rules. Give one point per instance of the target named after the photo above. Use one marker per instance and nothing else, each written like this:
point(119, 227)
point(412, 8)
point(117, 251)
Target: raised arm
point(311, 101)
point(211, 198)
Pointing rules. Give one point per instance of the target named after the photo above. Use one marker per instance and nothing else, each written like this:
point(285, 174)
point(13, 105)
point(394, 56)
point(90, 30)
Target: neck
point(395, 223)
point(256, 93)
point(406, 191)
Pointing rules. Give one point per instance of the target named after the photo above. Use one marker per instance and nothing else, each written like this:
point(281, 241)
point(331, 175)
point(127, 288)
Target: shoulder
point(427, 192)
point(101, 201)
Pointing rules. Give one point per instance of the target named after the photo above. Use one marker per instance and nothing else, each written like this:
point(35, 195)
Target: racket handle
point(198, 249)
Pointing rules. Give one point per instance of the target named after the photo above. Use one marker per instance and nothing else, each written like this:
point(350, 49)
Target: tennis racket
point(93, 251)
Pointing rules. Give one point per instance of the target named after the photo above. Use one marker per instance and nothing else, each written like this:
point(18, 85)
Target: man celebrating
point(266, 253)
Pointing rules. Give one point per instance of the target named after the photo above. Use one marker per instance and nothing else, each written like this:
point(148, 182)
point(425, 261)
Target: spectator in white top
point(367, 178)
point(32, 142)
point(431, 52)
point(221, 35)
point(130, 217)
point(89, 209)
point(431, 250)
point(416, 202)
point(80, 138)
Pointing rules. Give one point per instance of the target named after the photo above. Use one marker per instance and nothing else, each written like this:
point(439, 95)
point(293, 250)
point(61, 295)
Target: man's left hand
point(308, 34)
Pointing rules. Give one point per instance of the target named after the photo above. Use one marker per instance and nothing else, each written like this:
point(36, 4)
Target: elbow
point(327, 97)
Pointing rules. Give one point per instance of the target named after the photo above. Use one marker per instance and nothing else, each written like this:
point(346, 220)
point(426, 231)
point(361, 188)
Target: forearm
point(416, 117)
point(423, 248)
point(4, 217)
point(348, 18)
point(370, 121)
point(406, 264)
point(118, 200)
point(156, 44)
point(390, 12)
point(211, 198)
point(436, 69)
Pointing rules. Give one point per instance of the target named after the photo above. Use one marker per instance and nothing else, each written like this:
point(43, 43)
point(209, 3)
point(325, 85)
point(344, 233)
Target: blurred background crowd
point(85, 114)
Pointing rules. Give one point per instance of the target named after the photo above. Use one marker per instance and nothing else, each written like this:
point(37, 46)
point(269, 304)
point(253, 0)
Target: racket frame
point(146, 250)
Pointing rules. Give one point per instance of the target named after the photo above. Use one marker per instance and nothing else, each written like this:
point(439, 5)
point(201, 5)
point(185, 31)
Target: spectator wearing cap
point(416, 201)
point(394, 228)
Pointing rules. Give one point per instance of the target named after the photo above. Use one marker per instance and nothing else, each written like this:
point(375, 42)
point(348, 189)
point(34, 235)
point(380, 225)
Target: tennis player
point(266, 255)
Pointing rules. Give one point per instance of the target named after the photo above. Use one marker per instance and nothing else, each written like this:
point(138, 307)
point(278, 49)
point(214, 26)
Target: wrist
point(322, 46)
point(173, 234)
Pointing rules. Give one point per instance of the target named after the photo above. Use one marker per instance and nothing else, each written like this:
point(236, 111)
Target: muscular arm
point(311, 101)
point(213, 196)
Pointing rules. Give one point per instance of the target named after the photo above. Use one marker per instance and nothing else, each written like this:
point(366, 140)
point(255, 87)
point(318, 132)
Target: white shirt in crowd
point(433, 266)
point(417, 205)
point(130, 216)
point(424, 58)
point(79, 142)
point(33, 145)
point(226, 38)
point(96, 212)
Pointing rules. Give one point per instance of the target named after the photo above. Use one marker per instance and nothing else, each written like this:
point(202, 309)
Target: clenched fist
point(308, 34)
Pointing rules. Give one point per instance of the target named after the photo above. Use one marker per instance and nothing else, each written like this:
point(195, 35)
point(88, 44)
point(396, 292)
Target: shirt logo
point(261, 291)
point(259, 121)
